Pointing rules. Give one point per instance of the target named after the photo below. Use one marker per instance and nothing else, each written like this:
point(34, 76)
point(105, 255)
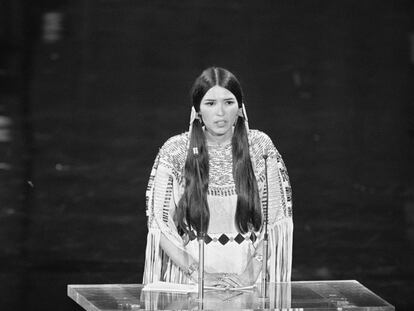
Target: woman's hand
point(232, 280)
point(211, 279)
point(237, 280)
point(215, 280)
point(225, 280)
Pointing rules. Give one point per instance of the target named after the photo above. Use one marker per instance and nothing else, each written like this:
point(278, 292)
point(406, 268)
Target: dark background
point(89, 90)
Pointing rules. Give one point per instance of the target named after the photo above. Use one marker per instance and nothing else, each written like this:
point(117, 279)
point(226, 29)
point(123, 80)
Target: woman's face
point(219, 109)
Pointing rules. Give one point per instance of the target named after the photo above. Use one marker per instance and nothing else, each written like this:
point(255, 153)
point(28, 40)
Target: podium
point(305, 295)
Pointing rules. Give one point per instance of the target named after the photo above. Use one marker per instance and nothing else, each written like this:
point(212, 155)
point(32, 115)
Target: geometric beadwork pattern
point(223, 239)
point(239, 238)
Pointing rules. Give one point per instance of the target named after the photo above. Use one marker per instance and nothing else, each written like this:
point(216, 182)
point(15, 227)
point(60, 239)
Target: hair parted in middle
point(191, 207)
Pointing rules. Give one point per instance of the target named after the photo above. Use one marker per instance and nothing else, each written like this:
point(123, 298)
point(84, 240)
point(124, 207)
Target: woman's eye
point(230, 102)
point(209, 103)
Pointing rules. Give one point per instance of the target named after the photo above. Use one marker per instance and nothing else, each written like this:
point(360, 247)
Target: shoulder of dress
point(176, 143)
point(261, 143)
point(174, 151)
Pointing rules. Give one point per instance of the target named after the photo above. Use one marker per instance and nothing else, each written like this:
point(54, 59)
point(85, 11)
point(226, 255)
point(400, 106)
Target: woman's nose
point(220, 109)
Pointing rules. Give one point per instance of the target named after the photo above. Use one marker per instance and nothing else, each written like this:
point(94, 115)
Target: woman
point(228, 200)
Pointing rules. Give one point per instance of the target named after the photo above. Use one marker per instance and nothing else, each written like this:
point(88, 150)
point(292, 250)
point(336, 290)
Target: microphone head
point(265, 155)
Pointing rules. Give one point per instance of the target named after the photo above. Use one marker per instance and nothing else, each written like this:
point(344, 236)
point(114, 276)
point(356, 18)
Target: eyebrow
point(212, 100)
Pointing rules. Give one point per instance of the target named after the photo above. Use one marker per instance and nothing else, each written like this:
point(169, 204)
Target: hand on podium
point(210, 279)
point(225, 280)
point(233, 280)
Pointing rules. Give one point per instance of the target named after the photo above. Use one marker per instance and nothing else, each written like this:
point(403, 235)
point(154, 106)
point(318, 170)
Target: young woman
point(229, 200)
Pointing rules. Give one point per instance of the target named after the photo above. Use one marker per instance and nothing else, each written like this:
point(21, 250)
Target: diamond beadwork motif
point(207, 239)
point(223, 239)
point(239, 238)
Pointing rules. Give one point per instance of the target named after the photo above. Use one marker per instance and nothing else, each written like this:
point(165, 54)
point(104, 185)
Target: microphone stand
point(264, 287)
point(200, 239)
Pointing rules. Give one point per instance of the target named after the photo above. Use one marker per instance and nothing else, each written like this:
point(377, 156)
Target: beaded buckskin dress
point(226, 249)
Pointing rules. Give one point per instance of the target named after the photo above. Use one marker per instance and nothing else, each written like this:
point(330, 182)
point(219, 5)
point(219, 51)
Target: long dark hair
point(192, 207)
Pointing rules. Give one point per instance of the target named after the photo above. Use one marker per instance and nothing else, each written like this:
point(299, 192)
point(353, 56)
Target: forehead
point(218, 92)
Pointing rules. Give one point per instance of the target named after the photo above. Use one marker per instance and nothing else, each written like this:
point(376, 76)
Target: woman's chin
point(220, 132)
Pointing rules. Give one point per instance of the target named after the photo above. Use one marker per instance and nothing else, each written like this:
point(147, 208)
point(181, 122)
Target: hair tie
point(244, 112)
point(194, 115)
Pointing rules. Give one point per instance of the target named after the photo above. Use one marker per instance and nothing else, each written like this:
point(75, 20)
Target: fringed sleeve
point(279, 209)
point(280, 220)
point(161, 198)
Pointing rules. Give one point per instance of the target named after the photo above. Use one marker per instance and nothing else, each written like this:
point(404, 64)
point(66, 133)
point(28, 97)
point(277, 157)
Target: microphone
point(196, 157)
point(200, 235)
point(265, 293)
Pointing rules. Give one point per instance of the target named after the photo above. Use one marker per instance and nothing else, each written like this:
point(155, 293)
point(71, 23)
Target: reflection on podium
point(308, 295)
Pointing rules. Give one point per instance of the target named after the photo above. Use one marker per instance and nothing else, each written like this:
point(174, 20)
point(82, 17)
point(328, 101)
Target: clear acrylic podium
point(306, 295)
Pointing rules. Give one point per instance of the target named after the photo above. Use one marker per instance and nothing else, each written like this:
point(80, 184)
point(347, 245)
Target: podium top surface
point(305, 295)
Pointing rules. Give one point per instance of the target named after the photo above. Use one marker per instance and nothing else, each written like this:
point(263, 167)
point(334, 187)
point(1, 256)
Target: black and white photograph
point(206, 155)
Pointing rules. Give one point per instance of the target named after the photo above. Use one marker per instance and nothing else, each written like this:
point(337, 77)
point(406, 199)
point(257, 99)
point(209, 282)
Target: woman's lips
point(221, 123)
